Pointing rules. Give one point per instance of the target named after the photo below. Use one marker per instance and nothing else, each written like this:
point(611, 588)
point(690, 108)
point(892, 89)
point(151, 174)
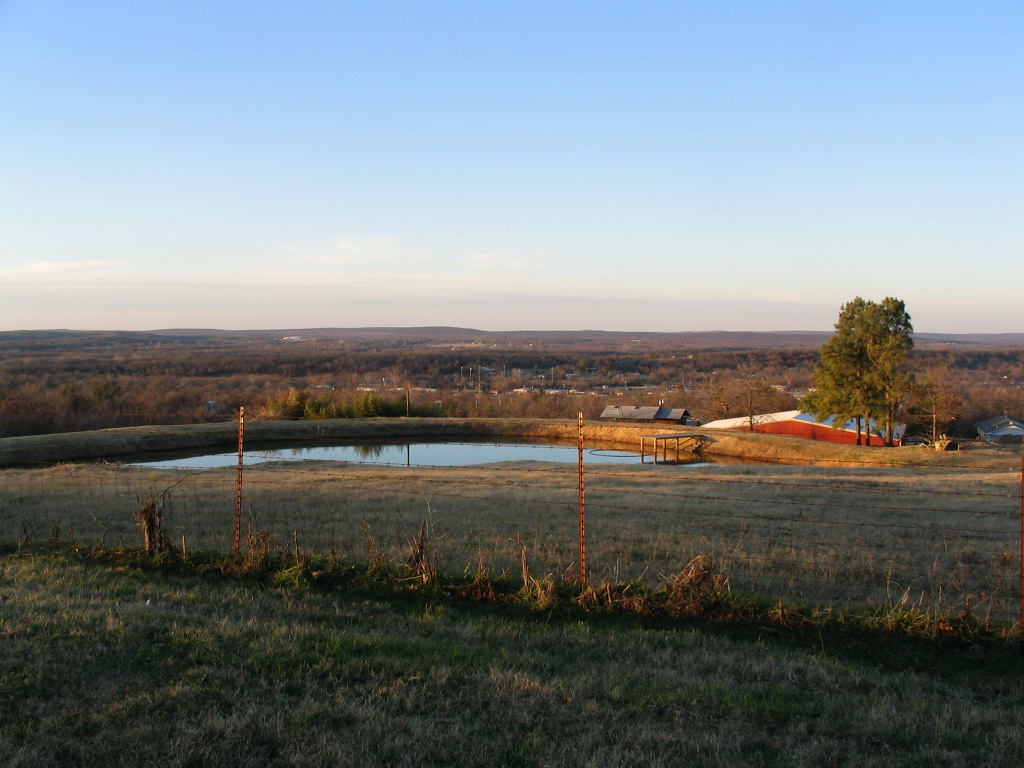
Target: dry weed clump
point(542, 593)
point(422, 560)
point(628, 598)
point(150, 517)
point(699, 588)
point(481, 589)
point(376, 561)
point(257, 550)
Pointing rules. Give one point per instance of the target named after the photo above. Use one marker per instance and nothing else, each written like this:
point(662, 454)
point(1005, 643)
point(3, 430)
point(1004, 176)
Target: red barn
point(799, 424)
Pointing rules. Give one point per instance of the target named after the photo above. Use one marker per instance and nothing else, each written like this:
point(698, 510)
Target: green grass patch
point(112, 659)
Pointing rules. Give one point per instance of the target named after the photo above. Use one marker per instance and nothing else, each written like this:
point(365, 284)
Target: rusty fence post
point(238, 482)
point(583, 511)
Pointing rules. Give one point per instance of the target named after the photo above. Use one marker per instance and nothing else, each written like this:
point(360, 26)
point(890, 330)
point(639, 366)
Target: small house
point(1001, 429)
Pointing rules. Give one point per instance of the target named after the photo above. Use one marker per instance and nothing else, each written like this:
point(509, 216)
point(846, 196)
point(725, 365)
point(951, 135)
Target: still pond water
point(460, 454)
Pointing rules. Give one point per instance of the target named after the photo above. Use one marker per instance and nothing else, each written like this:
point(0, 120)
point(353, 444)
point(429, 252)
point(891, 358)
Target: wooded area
point(56, 381)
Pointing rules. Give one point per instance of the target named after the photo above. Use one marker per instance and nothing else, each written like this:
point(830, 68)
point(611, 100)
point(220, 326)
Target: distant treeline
point(60, 381)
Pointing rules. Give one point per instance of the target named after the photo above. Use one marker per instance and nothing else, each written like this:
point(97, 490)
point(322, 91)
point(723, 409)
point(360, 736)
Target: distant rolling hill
point(444, 336)
point(596, 338)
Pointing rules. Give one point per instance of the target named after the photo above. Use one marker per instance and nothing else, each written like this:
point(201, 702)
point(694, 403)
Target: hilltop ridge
point(580, 339)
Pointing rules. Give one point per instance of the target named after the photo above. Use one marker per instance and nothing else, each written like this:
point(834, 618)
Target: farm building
point(650, 414)
point(1001, 429)
point(799, 424)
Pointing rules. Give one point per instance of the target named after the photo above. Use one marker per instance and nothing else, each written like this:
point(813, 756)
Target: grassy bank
point(122, 664)
point(112, 443)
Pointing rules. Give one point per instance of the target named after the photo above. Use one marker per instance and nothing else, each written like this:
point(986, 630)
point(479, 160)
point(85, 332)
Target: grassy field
point(861, 610)
point(834, 538)
point(120, 663)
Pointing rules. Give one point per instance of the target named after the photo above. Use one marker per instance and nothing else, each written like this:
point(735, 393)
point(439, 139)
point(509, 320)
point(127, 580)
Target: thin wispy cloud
point(354, 252)
point(400, 269)
point(498, 260)
point(59, 271)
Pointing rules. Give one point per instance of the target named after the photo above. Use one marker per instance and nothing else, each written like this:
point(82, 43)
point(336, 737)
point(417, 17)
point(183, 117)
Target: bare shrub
point(257, 552)
point(150, 517)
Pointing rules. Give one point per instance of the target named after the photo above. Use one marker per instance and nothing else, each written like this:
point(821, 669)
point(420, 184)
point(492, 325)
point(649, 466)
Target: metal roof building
point(799, 424)
point(648, 413)
point(1001, 429)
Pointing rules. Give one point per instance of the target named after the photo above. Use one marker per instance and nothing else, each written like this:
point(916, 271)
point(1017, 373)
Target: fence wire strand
point(825, 537)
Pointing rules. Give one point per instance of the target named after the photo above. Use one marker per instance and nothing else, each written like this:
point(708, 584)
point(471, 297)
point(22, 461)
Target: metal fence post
point(238, 483)
point(583, 511)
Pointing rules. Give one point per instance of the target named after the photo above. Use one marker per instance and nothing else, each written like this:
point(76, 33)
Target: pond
point(424, 454)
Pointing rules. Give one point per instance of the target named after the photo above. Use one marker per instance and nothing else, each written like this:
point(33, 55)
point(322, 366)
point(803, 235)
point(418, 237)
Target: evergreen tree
point(889, 339)
point(861, 374)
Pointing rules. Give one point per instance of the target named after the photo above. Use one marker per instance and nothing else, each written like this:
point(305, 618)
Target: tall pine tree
point(861, 375)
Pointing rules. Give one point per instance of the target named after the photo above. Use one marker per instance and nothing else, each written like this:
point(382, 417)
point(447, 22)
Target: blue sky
point(663, 166)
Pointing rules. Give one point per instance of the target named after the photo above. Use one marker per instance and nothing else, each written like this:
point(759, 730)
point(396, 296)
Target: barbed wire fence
point(944, 541)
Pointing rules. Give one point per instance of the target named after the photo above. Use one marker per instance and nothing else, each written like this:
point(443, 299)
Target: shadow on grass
point(696, 599)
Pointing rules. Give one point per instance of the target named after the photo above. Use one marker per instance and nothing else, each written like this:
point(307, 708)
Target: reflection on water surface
point(400, 454)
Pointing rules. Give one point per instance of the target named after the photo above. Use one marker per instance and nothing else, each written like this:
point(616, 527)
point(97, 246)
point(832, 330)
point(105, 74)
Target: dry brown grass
point(840, 538)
